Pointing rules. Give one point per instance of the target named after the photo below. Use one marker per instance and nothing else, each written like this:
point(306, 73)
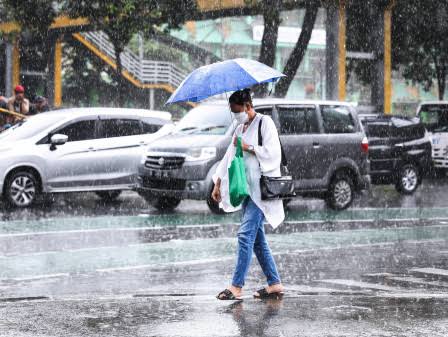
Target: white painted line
point(158, 265)
point(358, 284)
point(99, 230)
point(430, 271)
point(37, 277)
point(412, 295)
point(77, 250)
point(30, 254)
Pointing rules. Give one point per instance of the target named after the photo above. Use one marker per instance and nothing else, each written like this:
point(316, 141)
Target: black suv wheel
point(408, 179)
point(108, 195)
point(340, 193)
point(22, 189)
point(164, 204)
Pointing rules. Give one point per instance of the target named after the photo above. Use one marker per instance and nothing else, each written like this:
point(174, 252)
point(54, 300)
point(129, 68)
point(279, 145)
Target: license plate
point(159, 174)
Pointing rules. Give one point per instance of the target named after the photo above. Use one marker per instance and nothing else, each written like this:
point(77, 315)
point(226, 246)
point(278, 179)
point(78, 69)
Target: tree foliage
point(420, 44)
point(120, 20)
point(34, 16)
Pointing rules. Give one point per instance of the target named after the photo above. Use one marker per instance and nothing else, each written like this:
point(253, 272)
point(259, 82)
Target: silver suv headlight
point(200, 153)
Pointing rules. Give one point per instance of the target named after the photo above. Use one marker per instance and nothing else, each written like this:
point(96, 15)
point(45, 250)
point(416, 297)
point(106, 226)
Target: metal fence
point(146, 71)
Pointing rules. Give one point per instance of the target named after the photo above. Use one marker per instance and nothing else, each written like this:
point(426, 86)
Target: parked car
point(399, 151)
point(76, 150)
point(324, 142)
point(434, 116)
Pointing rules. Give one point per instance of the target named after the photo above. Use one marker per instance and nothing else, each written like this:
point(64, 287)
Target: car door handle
point(91, 148)
point(316, 144)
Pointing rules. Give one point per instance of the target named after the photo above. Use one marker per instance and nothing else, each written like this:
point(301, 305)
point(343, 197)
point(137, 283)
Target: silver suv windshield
point(30, 127)
point(434, 117)
point(206, 119)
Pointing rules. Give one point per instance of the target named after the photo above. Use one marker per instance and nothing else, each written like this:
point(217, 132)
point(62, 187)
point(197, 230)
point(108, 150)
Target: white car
point(76, 150)
point(434, 115)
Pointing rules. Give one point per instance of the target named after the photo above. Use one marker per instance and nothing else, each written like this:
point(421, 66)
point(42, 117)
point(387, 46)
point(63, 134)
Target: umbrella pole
point(230, 112)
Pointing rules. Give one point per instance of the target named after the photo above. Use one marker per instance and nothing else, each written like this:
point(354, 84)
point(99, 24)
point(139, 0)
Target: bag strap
point(260, 143)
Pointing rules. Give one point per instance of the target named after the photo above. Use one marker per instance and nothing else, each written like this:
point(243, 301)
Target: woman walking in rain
point(258, 159)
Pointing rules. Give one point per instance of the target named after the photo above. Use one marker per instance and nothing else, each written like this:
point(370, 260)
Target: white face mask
point(241, 117)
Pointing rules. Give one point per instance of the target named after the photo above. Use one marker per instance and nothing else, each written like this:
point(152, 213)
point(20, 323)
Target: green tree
point(35, 18)
point(120, 20)
point(420, 44)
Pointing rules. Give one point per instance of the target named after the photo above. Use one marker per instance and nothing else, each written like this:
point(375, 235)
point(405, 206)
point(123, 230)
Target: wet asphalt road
point(81, 267)
point(330, 291)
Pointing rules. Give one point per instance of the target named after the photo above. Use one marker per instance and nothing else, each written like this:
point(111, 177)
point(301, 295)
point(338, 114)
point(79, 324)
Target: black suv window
point(119, 128)
point(337, 119)
point(377, 130)
point(296, 120)
point(78, 131)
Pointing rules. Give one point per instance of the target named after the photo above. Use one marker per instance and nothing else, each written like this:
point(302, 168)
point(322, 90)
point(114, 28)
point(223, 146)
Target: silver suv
point(76, 150)
point(324, 142)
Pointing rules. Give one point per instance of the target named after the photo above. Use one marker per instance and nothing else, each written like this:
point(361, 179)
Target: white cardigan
point(267, 157)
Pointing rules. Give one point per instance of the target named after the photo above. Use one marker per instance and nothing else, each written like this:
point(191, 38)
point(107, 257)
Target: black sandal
point(228, 296)
point(263, 293)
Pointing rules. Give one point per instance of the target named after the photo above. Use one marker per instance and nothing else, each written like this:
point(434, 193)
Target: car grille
point(164, 162)
point(164, 184)
point(440, 156)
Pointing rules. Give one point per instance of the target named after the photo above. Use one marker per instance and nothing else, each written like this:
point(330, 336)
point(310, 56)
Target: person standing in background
point(17, 103)
point(40, 105)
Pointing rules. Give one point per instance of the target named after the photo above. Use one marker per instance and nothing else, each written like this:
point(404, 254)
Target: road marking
point(408, 280)
point(99, 230)
point(37, 277)
point(358, 285)
point(168, 264)
point(430, 272)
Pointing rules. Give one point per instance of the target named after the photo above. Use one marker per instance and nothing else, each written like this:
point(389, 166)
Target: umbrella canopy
point(221, 77)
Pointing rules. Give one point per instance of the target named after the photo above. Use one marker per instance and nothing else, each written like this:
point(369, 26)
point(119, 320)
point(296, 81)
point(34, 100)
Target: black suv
point(399, 151)
point(324, 141)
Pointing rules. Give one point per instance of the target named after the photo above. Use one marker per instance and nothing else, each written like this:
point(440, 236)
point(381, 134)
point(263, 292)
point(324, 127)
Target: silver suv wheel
point(341, 191)
point(21, 189)
point(408, 179)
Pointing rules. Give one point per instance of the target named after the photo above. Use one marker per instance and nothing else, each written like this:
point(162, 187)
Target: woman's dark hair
point(241, 97)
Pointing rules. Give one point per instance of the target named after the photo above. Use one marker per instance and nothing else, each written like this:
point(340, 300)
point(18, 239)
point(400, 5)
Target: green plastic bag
point(237, 177)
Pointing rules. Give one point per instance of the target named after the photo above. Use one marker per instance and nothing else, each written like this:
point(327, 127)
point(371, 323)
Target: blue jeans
point(251, 238)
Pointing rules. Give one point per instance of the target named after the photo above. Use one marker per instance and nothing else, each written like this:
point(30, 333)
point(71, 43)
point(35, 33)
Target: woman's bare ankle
point(237, 291)
point(278, 287)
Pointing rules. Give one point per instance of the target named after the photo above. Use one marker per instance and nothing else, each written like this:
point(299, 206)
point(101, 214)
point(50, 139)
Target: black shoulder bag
point(276, 187)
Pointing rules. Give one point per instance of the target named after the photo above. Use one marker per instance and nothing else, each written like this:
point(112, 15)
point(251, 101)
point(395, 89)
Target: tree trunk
point(48, 50)
point(296, 56)
point(119, 76)
point(441, 80)
point(268, 48)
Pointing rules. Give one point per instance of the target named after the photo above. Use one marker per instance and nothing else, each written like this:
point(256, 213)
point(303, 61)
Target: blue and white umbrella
point(221, 77)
